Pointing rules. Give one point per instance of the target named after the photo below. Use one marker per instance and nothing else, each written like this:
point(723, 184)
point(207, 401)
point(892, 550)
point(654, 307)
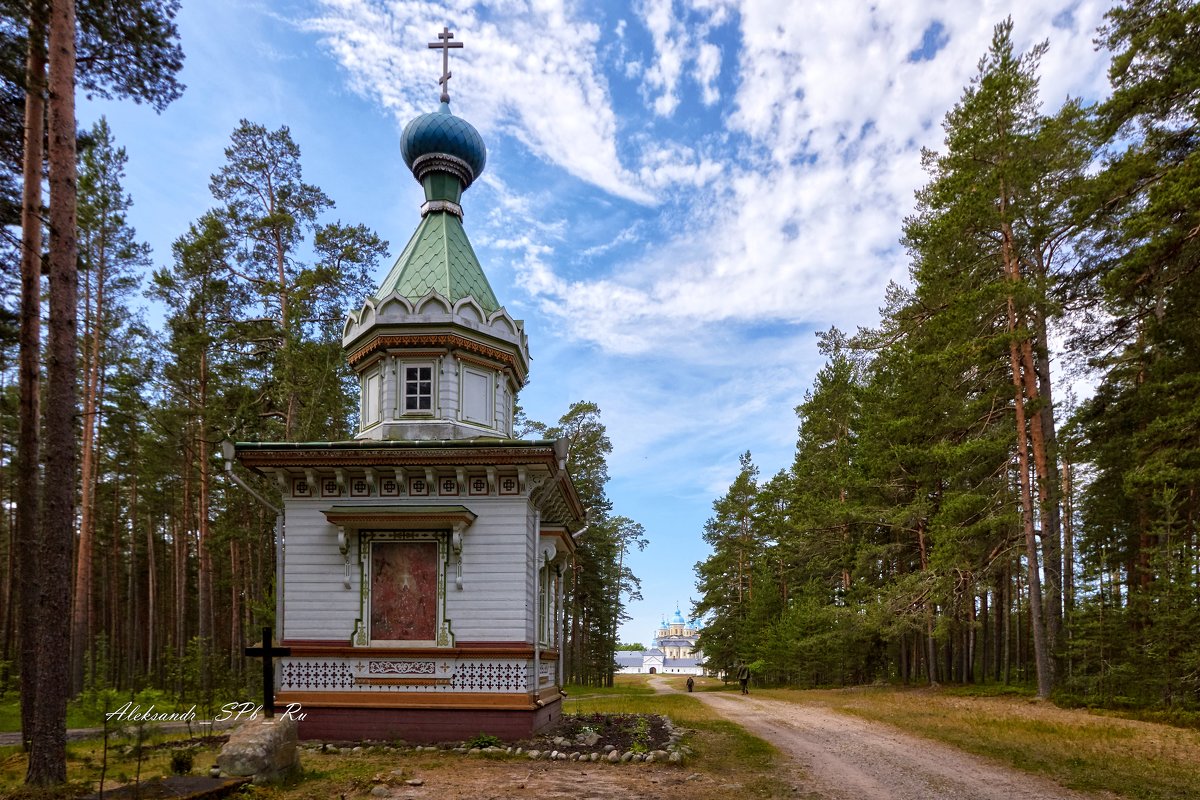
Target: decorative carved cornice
point(400, 517)
point(443, 162)
point(316, 456)
point(429, 206)
point(446, 340)
point(479, 362)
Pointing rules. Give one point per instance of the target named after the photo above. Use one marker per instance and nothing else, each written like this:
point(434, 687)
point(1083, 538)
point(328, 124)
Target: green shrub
point(483, 741)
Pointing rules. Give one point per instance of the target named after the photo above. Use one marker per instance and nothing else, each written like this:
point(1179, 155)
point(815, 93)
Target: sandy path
point(845, 758)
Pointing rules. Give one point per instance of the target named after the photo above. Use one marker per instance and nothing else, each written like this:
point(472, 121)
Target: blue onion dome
point(442, 142)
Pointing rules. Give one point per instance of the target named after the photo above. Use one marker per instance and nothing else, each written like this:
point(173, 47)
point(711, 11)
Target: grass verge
point(722, 748)
point(1080, 750)
point(85, 759)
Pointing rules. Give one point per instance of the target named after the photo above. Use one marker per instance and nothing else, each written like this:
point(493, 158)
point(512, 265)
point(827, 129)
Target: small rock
point(560, 741)
point(357, 750)
point(533, 754)
point(659, 755)
point(399, 773)
point(594, 757)
point(676, 758)
point(626, 758)
point(414, 782)
point(588, 739)
point(519, 751)
point(461, 750)
point(608, 748)
point(649, 758)
point(574, 756)
point(379, 790)
point(613, 756)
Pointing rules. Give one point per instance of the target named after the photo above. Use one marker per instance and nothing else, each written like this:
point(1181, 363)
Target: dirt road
point(837, 757)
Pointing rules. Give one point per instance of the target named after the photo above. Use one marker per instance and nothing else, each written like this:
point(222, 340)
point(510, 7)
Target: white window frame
point(402, 392)
point(370, 400)
point(489, 398)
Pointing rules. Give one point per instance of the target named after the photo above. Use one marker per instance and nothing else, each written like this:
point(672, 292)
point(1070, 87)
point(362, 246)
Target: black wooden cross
point(444, 45)
point(267, 653)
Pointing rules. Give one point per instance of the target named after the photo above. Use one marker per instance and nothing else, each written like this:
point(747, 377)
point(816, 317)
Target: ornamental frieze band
point(431, 340)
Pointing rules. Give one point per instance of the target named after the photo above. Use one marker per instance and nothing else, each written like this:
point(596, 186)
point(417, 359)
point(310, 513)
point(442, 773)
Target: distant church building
point(420, 575)
point(673, 651)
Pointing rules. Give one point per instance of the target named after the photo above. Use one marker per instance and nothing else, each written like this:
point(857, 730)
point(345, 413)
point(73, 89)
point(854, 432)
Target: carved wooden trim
point(384, 699)
point(308, 649)
point(447, 340)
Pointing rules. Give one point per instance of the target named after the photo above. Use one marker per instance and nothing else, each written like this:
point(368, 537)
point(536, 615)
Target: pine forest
point(1000, 482)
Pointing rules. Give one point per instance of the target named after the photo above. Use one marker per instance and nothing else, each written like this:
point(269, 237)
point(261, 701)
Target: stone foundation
point(424, 725)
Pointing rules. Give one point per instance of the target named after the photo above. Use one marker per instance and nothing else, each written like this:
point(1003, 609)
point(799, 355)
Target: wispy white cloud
point(797, 221)
point(679, 31)
point(787, 215)
point(554, 100)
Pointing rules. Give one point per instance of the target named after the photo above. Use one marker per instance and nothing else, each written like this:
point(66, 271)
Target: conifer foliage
point(947, 518)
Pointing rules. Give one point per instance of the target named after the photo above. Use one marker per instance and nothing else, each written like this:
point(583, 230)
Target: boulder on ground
point(264, 749)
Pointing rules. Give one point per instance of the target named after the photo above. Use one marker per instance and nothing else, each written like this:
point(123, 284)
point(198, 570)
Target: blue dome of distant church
point(678, 618)
point(442, 134)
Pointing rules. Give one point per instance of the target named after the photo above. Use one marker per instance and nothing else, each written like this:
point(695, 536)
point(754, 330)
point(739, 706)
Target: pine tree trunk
point(48, 754)
point(1029, 432)
point(202, 544)
point(83, 620)
point(28, 519)
point(1008, 609)
point(152, 615)
point(1068, 537)
point(1045, 484)
point(1040, 648)
point(134, 663)
point(180, 525)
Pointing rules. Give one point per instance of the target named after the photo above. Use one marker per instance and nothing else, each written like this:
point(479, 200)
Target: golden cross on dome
point(444, 45)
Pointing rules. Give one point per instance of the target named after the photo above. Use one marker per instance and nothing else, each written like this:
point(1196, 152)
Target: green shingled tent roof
point(439, 257)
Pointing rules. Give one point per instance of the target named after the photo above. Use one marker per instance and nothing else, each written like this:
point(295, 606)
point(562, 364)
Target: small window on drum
point(418, 389)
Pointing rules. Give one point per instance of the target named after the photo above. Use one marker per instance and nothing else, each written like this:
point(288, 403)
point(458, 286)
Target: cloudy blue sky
point(679, 193)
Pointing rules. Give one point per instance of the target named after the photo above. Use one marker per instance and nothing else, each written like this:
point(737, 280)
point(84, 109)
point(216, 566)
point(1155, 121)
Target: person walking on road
point(691, 684)
point(744, 677)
